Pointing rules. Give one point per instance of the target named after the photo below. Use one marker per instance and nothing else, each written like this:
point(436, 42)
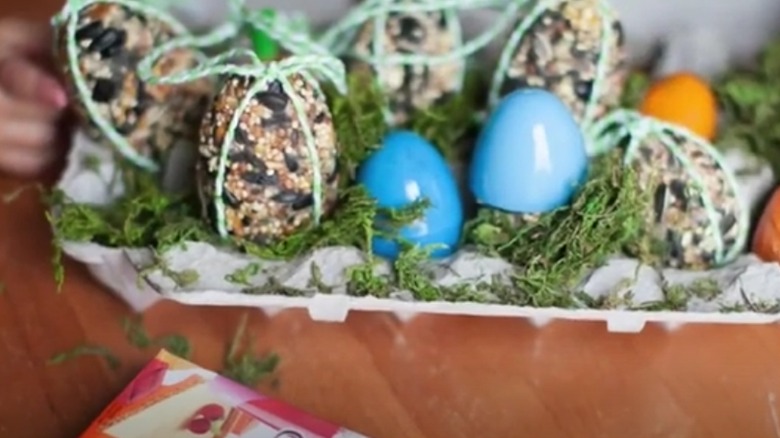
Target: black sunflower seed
point(89, 31)
point(109, 42)
point(291, 162)
point(303, 201)
point(104, 90)
point(583, 89)
point(659, 204)
point(677, 188)
point(286, 197)
point(275, 102)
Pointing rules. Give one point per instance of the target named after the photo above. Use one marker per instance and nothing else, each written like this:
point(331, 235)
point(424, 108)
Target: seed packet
point(174, 398)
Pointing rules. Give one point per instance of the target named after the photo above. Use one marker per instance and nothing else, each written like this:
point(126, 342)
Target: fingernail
point(52, 93)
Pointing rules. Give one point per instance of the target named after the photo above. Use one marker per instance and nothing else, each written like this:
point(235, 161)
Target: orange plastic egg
point(686, 100)
point(766, 240)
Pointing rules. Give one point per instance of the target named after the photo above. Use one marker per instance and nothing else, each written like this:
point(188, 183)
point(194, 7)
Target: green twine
point(339, 37)
point(312, 60)
point(607, 15)
point(68, 16)
point(609, 131)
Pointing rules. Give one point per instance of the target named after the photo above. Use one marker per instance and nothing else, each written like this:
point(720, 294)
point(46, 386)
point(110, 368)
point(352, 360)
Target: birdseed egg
point(111, 41)
point(269, 169)
point(694, 203)
point(411, 87)
point(561, 51)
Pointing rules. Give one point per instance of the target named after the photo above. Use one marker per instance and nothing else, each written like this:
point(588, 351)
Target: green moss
point(750, 100)
point(316, 282)
point(243, 275)
point(412, 277)
point(636, 86)
point(242, 364)
point(182, 279)
point(143, 217)
point(273, 286)
point(359, 121)
point(136, 335)
point(446, 124)
point(86, 350)
point(555, 251)
point(677, 296)
point(176, 344)
point(363, 281)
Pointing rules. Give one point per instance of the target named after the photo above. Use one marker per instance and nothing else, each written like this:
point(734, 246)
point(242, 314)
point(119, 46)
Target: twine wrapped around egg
point(696, 212)
point(436, 69)
point(308, 62)
point(585, 29)
point(144, 125)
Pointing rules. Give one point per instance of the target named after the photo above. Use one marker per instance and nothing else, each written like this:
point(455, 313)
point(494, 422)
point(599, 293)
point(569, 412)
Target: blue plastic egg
point(407, 168)
point(530, 155)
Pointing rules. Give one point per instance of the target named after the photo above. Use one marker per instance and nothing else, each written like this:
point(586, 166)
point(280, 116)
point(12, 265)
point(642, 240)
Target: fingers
point(26, 146)
point(23, 162)
point(31, 99)
point(23, 37)
point(23, 80)
point(27, 110)
point(26, 133)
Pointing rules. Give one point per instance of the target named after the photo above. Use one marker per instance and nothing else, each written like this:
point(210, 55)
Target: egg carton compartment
point(744, 292)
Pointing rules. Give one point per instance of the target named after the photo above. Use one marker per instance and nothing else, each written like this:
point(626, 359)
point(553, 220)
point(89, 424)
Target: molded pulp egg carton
point(119, 269)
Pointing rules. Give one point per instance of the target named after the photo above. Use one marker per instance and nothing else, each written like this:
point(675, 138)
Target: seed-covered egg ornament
point(263, 171)
point(99, 45)
point(413, 83)
point(694, 209)
point(573, 48)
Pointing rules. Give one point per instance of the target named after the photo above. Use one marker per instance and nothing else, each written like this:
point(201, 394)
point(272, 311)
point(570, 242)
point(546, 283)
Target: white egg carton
point(748, 279)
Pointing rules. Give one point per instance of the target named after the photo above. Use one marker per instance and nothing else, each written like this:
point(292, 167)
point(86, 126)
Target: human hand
point(32, 100)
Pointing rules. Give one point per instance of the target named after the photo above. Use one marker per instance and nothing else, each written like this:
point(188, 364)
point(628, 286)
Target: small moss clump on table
point(551, 254)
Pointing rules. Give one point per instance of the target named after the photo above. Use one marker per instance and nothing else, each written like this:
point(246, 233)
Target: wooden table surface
point(442, 377)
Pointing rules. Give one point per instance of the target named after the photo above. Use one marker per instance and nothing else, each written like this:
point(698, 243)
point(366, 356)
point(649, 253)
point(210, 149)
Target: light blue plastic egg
point(530, 155)
point(407, 168)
